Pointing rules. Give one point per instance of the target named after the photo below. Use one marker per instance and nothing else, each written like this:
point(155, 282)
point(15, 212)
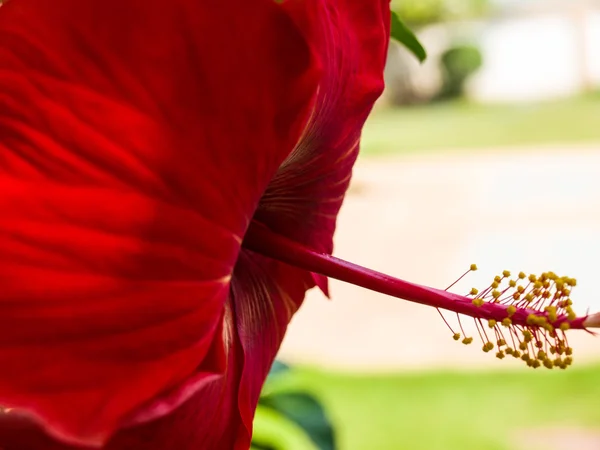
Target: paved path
point(426, 219)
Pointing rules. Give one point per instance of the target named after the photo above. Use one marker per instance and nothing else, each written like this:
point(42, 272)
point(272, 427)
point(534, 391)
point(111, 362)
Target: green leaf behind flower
point(305, 411)
point(406, 37)
point(274, 431)
point(289, 419)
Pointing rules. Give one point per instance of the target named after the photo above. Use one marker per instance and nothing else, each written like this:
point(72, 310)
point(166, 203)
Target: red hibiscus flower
point(170, 178)
point(139, 139)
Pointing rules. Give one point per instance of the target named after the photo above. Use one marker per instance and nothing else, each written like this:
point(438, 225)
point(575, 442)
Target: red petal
point(351, 38)
point(213, 407)
point(137, 138)
point(199, 404)
point(266, 294)
point(303, 199)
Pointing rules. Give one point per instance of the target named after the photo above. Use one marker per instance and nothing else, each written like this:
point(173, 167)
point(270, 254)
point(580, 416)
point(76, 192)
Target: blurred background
point(487, 153)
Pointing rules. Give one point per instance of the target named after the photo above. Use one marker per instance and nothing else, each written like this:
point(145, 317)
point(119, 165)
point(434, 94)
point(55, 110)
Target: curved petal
point(136, 139)
point(266, 294)
point(351, 38)
point(302, 201)
point(184, 428)
point(201, 413)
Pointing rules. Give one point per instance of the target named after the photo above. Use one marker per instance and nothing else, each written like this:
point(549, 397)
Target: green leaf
point(288, 419)
point(256, 446)
point(274, 431)
point(278, 375)
point(278, 368)
point(305, 411)
point(406, 37)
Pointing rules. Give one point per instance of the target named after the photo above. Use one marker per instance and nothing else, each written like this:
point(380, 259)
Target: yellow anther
point(541, 355)
point(551, 310)
point(516, 354)
point(467, 340)
point(568, 361)
point(532, 278)
point(527, 335)
point(522, 275)
point(538, 285)
point(529, 298)
point(477, 302)
point(500, 355)
point(487, 347)
point(496, 294)
point(506, 322)
point(474, 291)
point(511, 310)
point(565, 326)
point(492, 323)
point(506, 273)
point(548, 364)
point(516, 296)
point(568, 351)
point(456, 336)
point(501, 342)
point(473, 267)
point(512, 283)
point(520, 289)
point(523, 346)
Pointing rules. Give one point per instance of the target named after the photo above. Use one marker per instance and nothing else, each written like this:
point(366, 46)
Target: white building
point(532, 50)
point(539, 49)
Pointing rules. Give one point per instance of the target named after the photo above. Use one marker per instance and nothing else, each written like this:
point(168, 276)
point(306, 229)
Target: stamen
point(535, 310)
point(546, 297)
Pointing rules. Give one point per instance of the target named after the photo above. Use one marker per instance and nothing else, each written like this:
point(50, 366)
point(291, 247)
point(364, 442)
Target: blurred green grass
point(453, 410)
point(463, 125)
